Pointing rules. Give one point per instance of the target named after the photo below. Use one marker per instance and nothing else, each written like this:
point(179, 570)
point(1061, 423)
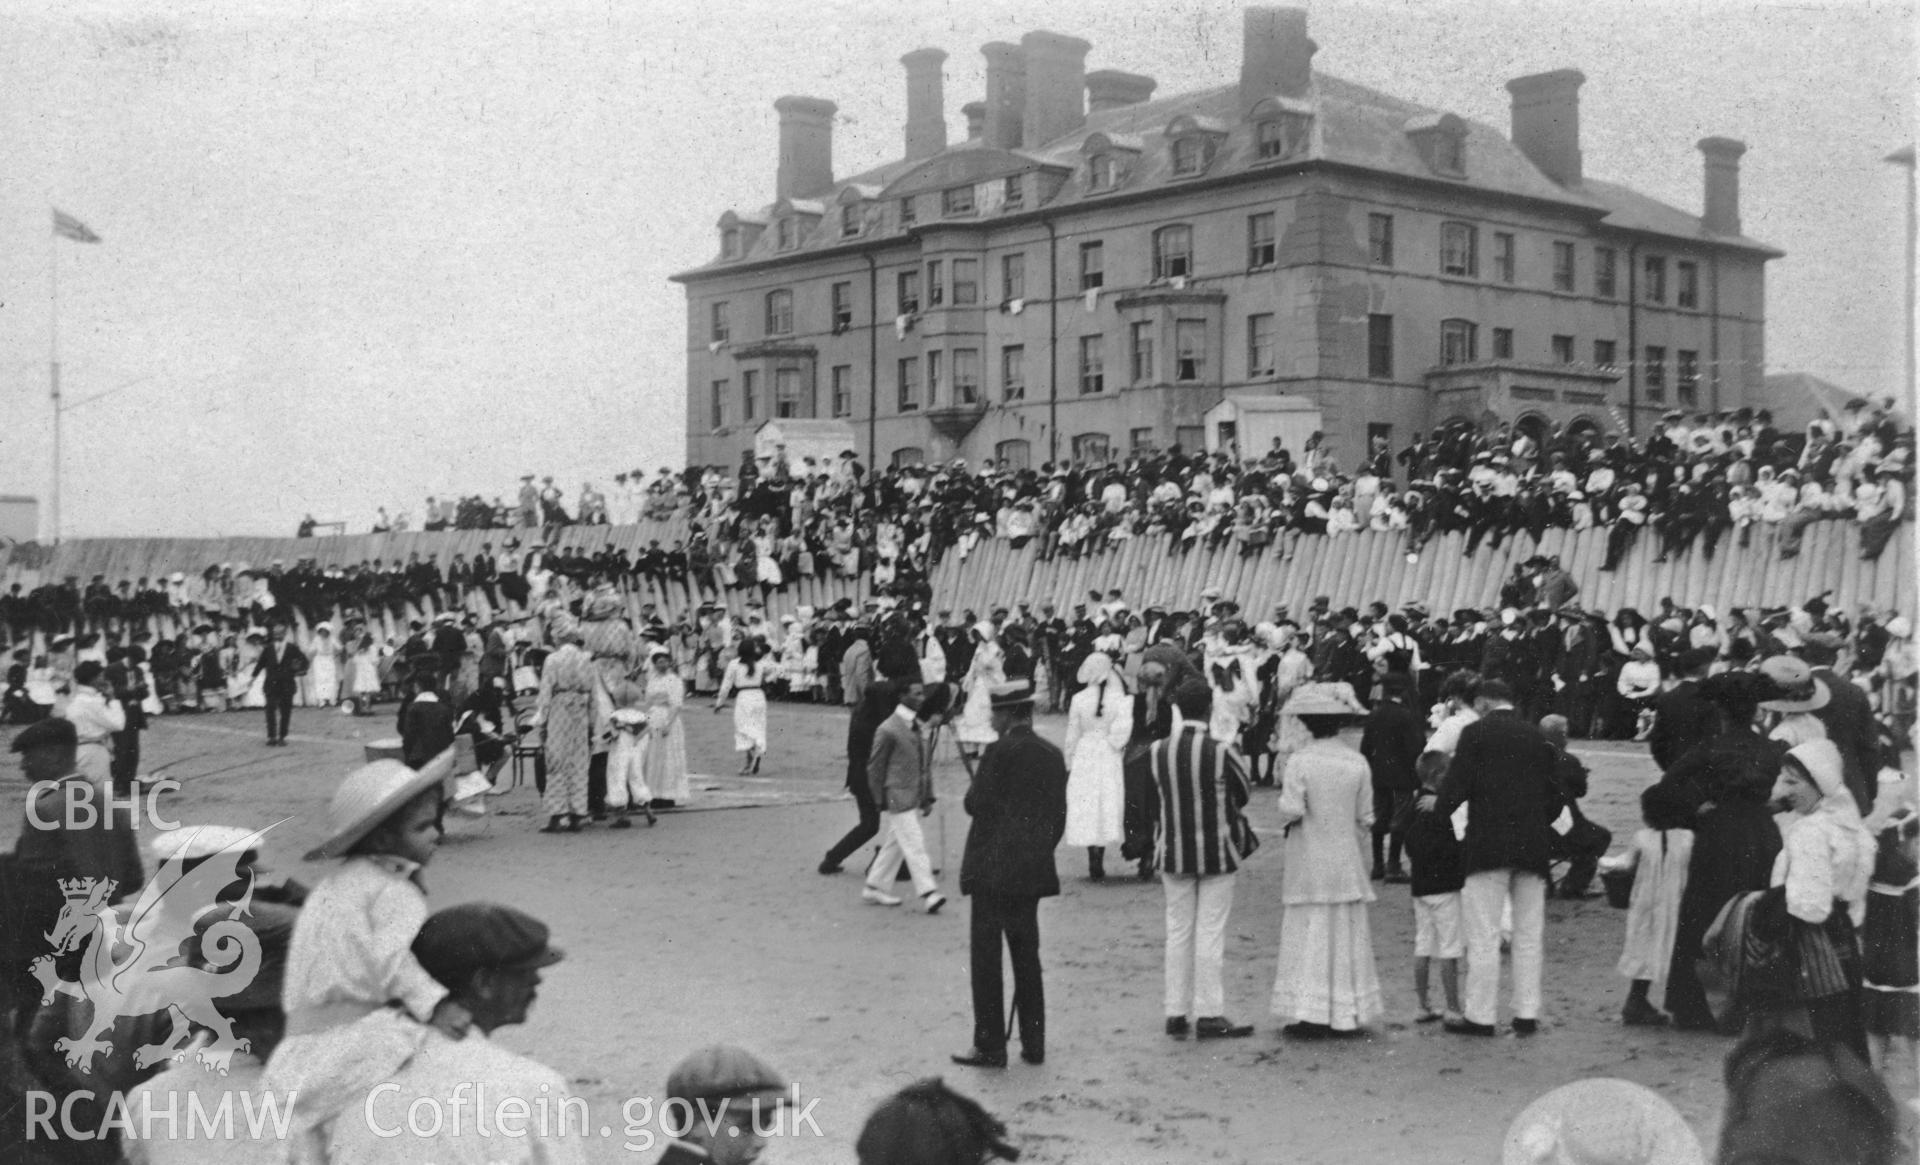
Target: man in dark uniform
point(875, 706)
point(1018, 802)
point(283, 663)
point(1391, 741)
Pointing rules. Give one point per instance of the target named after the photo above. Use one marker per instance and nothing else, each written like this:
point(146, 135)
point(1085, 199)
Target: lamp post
point(1905, 157)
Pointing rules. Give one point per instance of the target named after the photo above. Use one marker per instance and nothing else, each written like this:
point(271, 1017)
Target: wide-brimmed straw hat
point(371, 794)
point(1802, 690)
point(1330, 699)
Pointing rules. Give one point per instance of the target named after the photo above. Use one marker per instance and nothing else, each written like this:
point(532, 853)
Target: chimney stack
point(1056, 86)
point(1546, 122)
point(806, 146)
point(976, 114)
point(1721, 214)
point(1111, 89)
point(1006, 94)
point(926, 103)
point(1276, 56)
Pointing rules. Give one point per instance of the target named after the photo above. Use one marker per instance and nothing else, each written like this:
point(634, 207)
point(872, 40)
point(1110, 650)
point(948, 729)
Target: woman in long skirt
point(667, 751)
point(570, 710)
point(1099, 723)
point(1327, 984)
point(975, 730)
point(745, 681)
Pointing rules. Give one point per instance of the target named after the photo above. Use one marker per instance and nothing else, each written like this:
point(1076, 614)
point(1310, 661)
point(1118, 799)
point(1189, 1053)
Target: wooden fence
point(1356, 569)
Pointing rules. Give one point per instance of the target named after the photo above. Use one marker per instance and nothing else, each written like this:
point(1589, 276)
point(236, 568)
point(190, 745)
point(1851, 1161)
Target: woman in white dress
point(1327, 984)
point(1658, 858)
point(243, 684)
point(746, 681)
point(323, 668)
point(1099, 723)
point(975, 730)
point(667, 749)
point(365, 678)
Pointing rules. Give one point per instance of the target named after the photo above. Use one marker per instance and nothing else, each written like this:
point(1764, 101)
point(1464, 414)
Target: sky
point(358, 253)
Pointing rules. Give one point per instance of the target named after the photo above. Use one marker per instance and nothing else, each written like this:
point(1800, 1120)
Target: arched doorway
point(1535, 426)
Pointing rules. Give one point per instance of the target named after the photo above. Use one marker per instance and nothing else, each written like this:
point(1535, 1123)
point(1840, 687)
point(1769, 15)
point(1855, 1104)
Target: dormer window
point(1103, 172)
point(1189, 156)
point(1282, 129)
point(788, 233)
point(1441, 140)
point(850, 221)
point(1013, 194)
point(730, 243)
point(956, 201)
point(1109, 158)
point(1283, 137)
point(906, 211)
point(1192, 142)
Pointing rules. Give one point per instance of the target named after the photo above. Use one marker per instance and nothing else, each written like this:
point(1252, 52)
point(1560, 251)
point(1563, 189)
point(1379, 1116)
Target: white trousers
point(1481, 902)
point(1197, 909)
point(904, 842)
point(627, 771)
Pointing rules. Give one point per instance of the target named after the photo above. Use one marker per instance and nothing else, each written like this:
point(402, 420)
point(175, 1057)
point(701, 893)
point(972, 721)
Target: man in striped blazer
point(1202, 834)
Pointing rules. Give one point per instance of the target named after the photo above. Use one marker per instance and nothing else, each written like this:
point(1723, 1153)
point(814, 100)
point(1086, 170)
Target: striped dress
point(570, 688)
point(1202, 784)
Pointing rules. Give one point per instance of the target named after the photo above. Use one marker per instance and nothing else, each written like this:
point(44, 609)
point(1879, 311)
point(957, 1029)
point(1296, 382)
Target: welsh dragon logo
point(140, 968)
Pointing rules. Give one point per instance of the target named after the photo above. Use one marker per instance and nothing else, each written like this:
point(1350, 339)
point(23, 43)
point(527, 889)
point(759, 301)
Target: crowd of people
point(1462, 787)
point(1696, 476)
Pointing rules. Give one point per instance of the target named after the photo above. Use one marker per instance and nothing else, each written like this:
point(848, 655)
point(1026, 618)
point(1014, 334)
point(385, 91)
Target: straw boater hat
point(1800, 689)
point(370, 795)
point(1334, 699)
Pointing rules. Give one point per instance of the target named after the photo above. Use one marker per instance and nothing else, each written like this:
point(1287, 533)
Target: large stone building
point(1095, 269)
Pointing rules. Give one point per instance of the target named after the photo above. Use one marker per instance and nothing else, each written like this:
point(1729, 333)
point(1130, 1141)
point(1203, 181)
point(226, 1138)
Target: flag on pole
point(69, 227)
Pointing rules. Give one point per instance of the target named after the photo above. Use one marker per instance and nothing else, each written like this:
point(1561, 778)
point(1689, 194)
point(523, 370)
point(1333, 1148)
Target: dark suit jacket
point(879, 703)
point(1681, 720)
point(1849, 720)
point(283, 665)
point(1391, 742)
point(1503, 772)
point(1018, 801)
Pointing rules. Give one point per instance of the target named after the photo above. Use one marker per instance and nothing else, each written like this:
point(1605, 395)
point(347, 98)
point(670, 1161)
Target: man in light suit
point(901, 779)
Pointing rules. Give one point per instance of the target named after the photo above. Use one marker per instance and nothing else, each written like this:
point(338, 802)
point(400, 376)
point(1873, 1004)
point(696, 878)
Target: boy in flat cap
point(714, 1098)
point(489, 958)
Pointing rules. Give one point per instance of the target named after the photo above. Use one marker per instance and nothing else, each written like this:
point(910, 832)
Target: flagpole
point(53, 379)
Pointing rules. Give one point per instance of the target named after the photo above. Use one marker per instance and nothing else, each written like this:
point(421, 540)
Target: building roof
point(1352, 126)
point(1633, 211)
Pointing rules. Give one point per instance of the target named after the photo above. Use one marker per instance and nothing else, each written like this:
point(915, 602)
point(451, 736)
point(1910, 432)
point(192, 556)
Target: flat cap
point(722, 1072)
point(53, 732)
point(477, 935)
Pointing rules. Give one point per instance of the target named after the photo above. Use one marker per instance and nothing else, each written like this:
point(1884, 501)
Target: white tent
point(1250, 423)
point(801, 438)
